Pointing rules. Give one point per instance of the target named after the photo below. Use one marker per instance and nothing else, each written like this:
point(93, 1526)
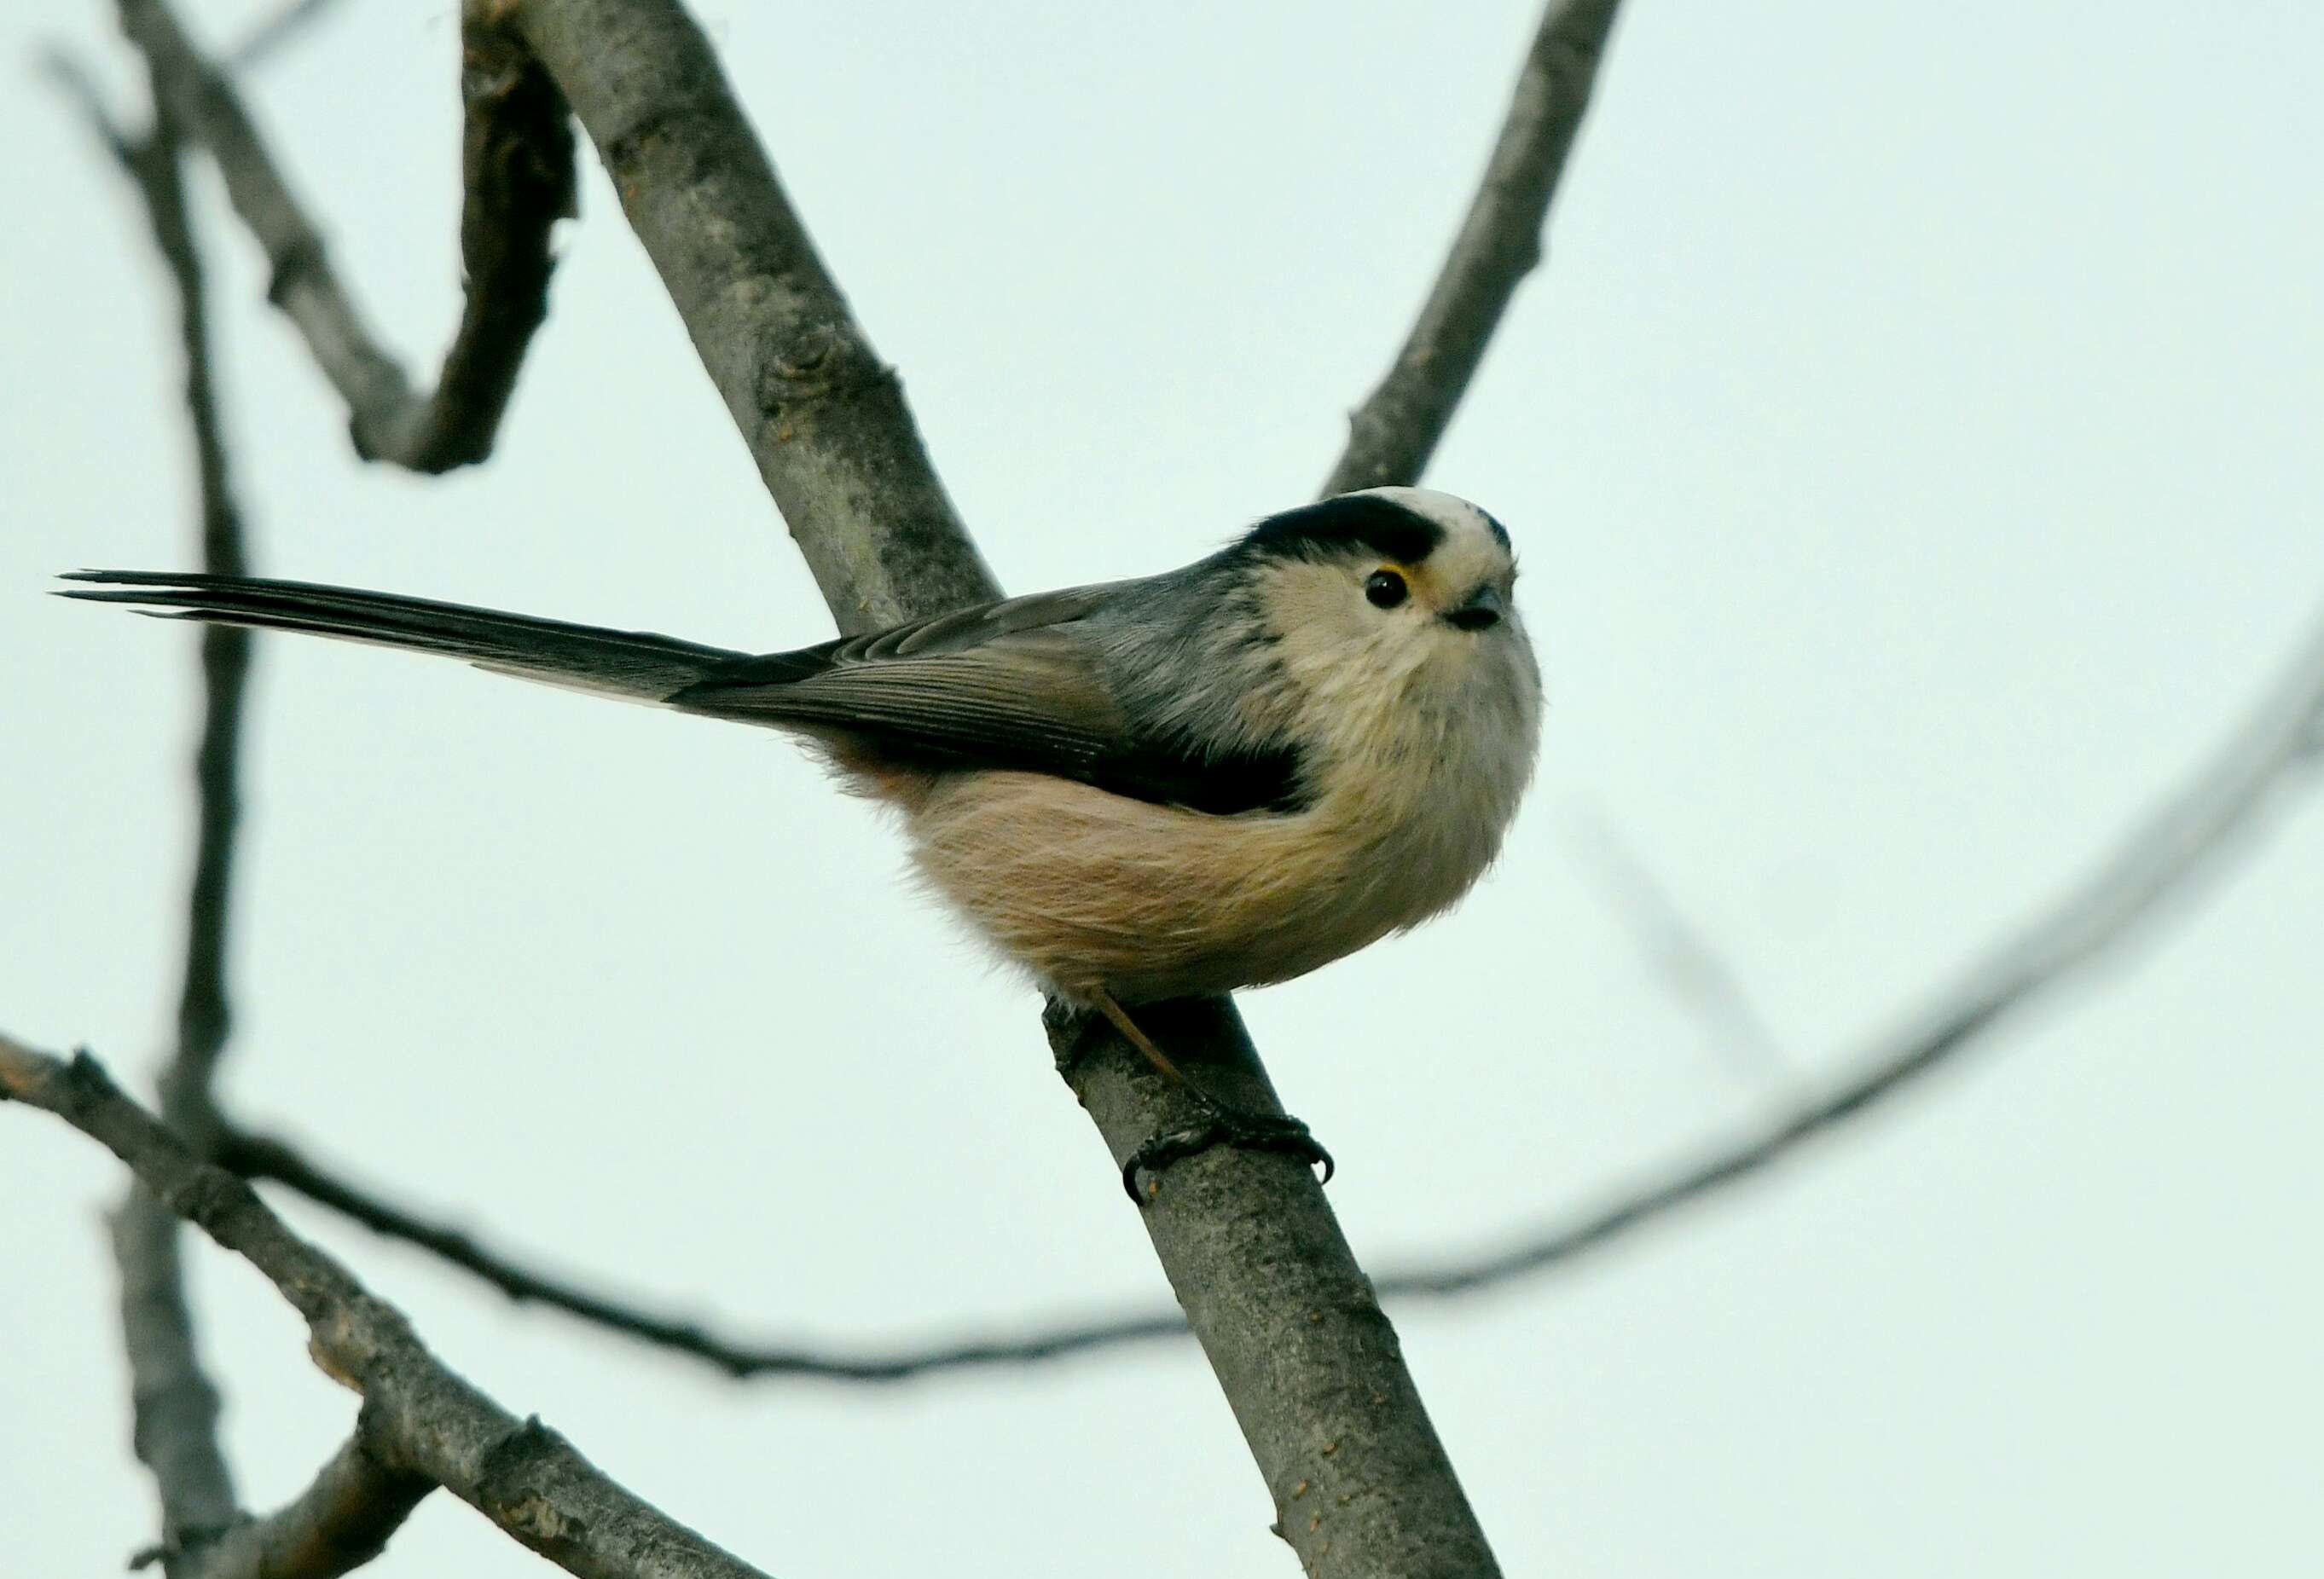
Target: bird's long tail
point(636, 665)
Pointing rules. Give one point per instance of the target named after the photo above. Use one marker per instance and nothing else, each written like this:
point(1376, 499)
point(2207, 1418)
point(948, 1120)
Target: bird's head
point(1389, 578)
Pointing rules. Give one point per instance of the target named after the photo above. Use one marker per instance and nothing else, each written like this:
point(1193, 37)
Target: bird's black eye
point(1385, 589)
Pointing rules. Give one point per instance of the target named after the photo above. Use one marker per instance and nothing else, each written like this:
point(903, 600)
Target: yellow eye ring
point(1384, 589)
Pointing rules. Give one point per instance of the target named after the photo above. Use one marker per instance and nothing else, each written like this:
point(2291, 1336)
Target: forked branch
point(517, 181)
point(419, 1418)
point(341, 1522)
point(1287, 1318)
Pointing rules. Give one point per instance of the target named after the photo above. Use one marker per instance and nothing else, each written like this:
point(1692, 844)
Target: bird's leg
point(1220, 1125)
point(1140, 1040)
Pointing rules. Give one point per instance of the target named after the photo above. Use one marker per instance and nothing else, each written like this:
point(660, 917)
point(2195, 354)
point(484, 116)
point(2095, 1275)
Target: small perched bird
point(1220, 776)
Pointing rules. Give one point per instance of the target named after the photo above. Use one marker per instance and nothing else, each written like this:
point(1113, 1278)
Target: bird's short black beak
point(1482, 611)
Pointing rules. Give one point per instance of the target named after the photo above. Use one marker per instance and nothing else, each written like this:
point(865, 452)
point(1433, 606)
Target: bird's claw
point(1221, 1125)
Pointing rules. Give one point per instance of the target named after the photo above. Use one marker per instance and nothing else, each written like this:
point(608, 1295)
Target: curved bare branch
point(517, 180)
point(2189, 835)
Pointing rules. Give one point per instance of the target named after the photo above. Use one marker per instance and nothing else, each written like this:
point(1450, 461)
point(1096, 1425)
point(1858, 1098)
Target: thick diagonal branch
point(1287, 1320)
point(517, 178)
point(420, 1417)
point(1393, 433)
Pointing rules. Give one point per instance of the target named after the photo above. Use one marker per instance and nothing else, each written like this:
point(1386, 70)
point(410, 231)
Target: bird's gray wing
point(1020, 683)
point(963, 629)
point(1007, 683)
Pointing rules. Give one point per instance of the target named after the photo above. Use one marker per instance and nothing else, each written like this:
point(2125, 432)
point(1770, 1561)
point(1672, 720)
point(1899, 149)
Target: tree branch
point(1308, 1361)
point(174, 1404)
point(517, 174)
point(1697, 974)
point(2183, 839)
point(341, 1522)
point(420, 1419)
point(1285, 1314)
point(346, 1516)
point(269, 1159)
point(1393, 433)
point(813, 385)
point(2191, 832)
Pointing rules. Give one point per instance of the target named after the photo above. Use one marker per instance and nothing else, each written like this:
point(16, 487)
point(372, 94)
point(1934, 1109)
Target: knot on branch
point(512, 1488)
point(352, 1332)
point(822, 362)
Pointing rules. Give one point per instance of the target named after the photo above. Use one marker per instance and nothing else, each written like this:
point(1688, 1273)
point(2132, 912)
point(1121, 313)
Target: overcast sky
point(1913, 445)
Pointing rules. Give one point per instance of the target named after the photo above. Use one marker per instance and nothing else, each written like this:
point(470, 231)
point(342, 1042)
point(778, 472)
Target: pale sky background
point(1914, 446)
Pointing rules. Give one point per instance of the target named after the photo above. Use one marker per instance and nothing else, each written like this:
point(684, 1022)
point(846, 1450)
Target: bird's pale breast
point(1090, 890)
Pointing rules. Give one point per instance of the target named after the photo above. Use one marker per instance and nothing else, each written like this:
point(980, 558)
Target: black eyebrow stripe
point(1335, 526)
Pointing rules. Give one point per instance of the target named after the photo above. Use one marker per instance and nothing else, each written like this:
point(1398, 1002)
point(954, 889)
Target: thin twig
point(2159, 860)
point(266, 1159)
point(1393, 433)
point(419, 1417)
point(1699, 975)
point(517, 176)
point(70, 77)
point(174, 1404)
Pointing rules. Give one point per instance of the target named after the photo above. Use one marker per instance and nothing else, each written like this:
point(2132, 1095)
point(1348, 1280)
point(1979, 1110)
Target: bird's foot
point(1215, 1124)
point(1221, 1125)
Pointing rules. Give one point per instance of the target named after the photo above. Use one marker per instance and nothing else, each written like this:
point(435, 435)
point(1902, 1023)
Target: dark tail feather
point(636, 665)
